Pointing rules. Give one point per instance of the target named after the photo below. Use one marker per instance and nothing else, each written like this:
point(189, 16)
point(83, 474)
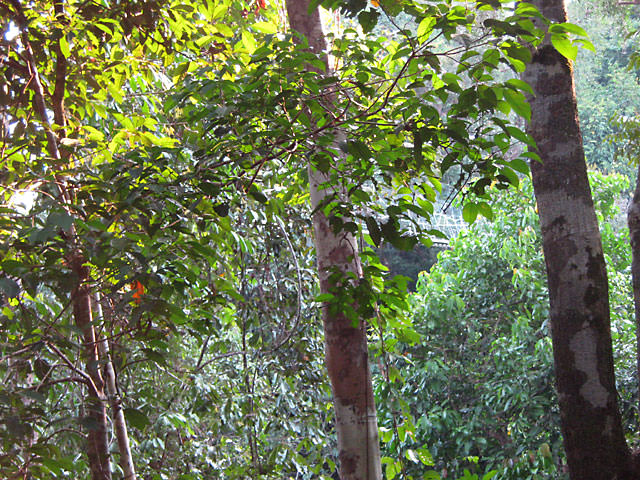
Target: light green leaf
point(568, 27)
point(391, 471)
point(64, 46)
point(265, 27)
point(324, 297)
point(93, 134)
point(564, 46)
point(425, 28)
point(248, 41)
point(224, 29)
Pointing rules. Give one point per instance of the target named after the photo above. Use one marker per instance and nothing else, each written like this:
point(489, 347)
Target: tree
point(59, 80)
point(167, 190)
point(338, 260)
point(578, 290)
point(97, 440)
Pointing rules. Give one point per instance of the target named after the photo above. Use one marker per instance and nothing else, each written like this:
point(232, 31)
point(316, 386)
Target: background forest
point(161, 303)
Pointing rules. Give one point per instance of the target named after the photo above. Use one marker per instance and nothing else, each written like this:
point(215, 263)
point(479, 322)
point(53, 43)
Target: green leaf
point(485, 210)
point(518, 102)
point(52, 465)
point(60, 220)
point(510, 176)
point(359, 149)
point(564, 46)
point(255, 192)
point(89, 423)
point(411, 456)
point(64, 46)
point(568, 27)
point(520, 135)
point(136, 418)
point(520, 85)
point(470, 212)
point(324, 297)
point(154, 356)
point(425, 28)
point(368, 20)
point(9, 287)
point(265, 27)
point(519, 165)
point(374, 230)
point(425, 456)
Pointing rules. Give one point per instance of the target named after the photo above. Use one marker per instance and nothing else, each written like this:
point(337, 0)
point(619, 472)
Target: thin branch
point(82, 373)
point(299, 277)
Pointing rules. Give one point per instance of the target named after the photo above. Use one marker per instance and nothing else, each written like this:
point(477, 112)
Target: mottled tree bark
point(345, 344)
point(577, 278)
point(633, 220)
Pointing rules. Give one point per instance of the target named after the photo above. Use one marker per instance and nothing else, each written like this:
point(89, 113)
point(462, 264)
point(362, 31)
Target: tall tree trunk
point(633, 220)
point(345, 344)
point(95, 402)
point(117, 413)
point(576, 273)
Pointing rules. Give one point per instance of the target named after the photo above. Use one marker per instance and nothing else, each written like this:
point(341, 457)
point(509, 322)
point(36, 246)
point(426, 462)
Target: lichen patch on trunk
point(585, 358)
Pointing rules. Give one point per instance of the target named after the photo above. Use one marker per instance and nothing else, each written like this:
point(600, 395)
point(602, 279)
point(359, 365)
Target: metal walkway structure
point(450, 223)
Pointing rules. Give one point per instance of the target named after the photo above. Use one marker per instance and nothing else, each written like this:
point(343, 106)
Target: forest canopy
point(198, 199)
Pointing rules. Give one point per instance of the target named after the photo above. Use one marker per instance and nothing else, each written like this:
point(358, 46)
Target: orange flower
point(138, 291)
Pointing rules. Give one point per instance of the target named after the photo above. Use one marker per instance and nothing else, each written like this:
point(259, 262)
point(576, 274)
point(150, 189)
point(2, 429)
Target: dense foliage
point(156, 153)
point(483, 365)
point(608, 91)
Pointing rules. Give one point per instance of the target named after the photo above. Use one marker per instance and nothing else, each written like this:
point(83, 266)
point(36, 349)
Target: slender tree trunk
point(97, 428)
point(117, 413)
point(578, 290)
point(633, 220)
point(345, 344)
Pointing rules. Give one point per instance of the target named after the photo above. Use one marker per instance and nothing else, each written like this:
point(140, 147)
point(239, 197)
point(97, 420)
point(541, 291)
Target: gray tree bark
point(117, 413)
point(578, 290)
point(345, 344)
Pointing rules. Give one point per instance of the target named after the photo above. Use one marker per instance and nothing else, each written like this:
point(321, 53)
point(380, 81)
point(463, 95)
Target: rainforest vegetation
point(326, 239)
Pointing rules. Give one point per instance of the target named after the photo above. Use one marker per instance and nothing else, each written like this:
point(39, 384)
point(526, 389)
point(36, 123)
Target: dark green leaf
point(9, 287)
point(136, 418)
